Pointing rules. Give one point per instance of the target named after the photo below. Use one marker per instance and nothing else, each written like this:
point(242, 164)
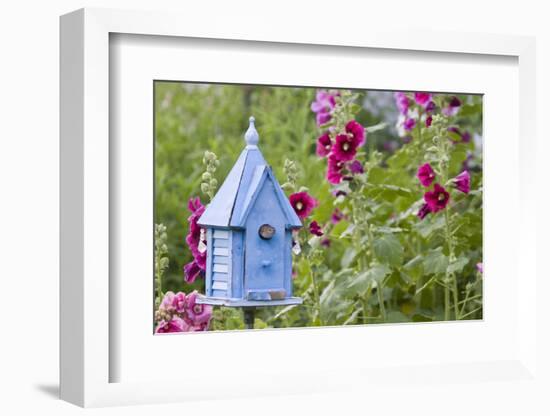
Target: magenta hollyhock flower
point(198, 313)
point(462, 182)
point(345, 148)
point(324, 144)
point(356, 167)
point(423, 211)
point(176, 324)
point(426, 174)
point(452, 107)
point(437, 199)
point(303, 203)
point(409, 124)
point(356, 131)
point(315, 229)
point(402, 102)
point(192, 270)
point(423, 99)
point(479, 267)
point(334, 170)
point(194, 235)
point(323, 105)
point(336, 216)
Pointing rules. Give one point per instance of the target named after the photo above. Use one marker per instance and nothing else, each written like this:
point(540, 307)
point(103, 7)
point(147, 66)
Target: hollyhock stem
point(317, 297)
point(450, 278)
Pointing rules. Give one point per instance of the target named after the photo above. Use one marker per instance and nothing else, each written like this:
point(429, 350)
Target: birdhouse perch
point(249, 225)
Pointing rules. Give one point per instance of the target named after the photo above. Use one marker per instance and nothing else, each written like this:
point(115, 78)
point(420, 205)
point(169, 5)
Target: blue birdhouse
point(249, 225)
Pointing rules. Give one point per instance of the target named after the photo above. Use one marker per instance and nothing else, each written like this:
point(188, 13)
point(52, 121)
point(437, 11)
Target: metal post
point(249, 313)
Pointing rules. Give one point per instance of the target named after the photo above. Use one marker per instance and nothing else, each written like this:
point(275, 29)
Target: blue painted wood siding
point(220, 263)
point(265, 259)
point(237, 260)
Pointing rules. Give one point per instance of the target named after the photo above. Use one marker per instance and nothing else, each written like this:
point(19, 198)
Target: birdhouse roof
point(235, 198)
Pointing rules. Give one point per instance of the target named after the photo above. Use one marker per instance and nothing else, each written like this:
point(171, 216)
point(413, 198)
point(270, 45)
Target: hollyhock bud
point(479, 267)
point(426, 174)
point(429, 120)
point(336, 216)
point(356, 167)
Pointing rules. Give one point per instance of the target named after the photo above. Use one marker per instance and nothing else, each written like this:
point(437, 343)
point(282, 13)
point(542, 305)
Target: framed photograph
point(238, 209)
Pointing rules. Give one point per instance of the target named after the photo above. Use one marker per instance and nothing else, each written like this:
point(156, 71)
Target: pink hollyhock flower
point(402, 102)
point(173, 302)
point(425, 174)
point(423, 99)
point(198, 313)
point(479, 267)
point(178, 302)
point(462, 182)
point(315, 229)
point(409, 124)
point(324, 144)
point(192, 270)
point(356, 131)
point(452, 107)
point(167, 300)
point(423, 211)
point(303, 203)
point(176, 324)
point(334, 170)
point(336, 216)
point(345, 148)
point(356, 167)
point(323, 106)
point(437, 199)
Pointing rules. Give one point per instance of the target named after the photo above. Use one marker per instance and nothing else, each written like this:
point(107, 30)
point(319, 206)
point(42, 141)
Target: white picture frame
point(87, 356)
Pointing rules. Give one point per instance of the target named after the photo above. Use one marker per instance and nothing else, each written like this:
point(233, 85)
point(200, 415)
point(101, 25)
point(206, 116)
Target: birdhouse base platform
point(243, 303)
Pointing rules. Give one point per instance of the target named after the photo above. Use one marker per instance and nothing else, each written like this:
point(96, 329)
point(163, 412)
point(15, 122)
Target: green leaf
point(435, 262)
point(458, 265)
point(429, 225)
point(362, 281)
point(415, 267)
point(348, 257)
point(376, 175)
point(388, 249)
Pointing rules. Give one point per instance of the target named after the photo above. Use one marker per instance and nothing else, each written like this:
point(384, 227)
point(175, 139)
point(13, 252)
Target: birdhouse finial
point(251, 136)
